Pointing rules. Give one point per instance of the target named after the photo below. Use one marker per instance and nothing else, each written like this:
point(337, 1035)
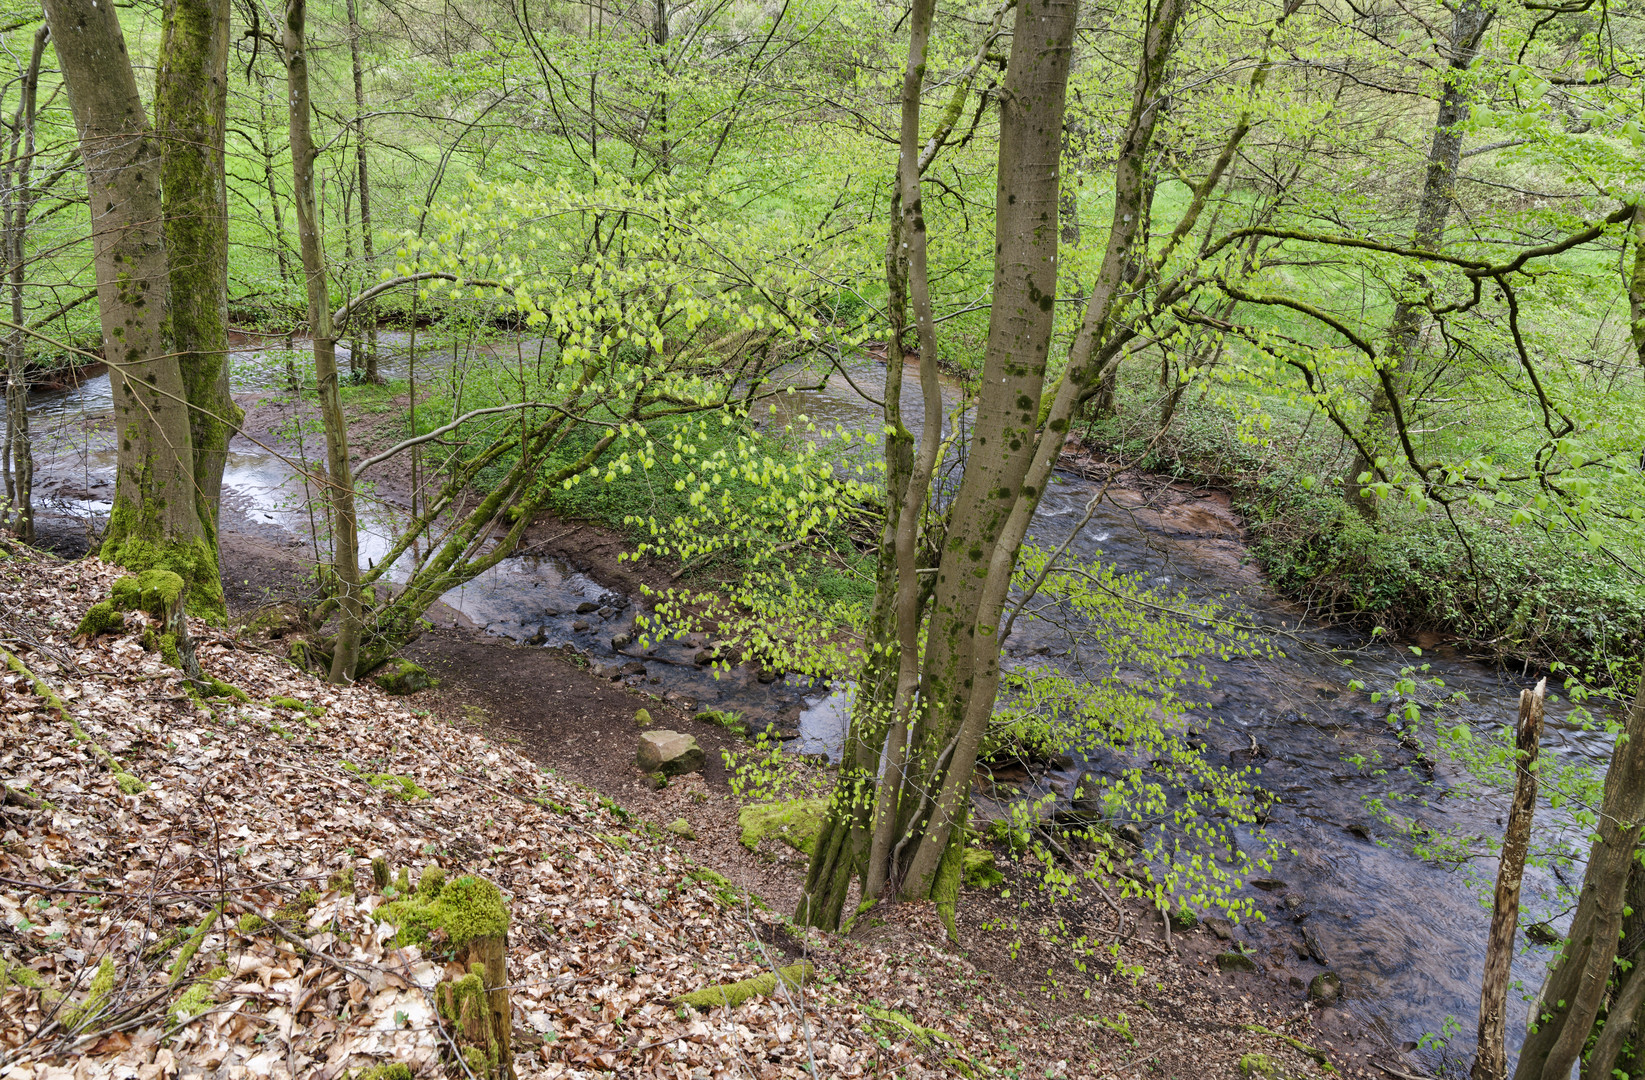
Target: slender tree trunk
point(155, 521)
point(1469, 21)
point(1491, 1061)
point(365, 320)
point(17, 461)
point(276, 215)
point(961, 651)
point(1636, 291)
point(340, 475)
point(190, 111)
point(1576, 989)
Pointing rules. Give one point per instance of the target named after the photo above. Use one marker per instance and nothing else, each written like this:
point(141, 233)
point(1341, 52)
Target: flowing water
point(1405, 936)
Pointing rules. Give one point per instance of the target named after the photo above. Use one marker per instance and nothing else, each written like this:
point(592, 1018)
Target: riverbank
point(1505, 594)
point(265, 806)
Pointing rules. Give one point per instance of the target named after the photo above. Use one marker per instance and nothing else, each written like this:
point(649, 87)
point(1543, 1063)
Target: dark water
point(1406, 936)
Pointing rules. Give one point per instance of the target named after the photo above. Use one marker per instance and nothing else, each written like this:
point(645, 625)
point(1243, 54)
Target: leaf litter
point(186, 890)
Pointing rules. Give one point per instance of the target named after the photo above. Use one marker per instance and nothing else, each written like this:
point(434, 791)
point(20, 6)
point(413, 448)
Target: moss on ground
point(97, 998)
point(795, 822)
point(401, 787)
point(734, 994)
point(191, 1003)
point(464, 908)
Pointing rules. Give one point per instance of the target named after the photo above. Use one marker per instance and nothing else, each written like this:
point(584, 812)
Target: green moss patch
point(463, 909)
point(980, 871)
point(795, 822)
point(191, 1003)
point(734, 994)
point(399, 676)
point(97, 998)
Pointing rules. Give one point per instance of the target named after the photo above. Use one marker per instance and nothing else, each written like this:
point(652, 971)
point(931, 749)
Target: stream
point(1405, 936)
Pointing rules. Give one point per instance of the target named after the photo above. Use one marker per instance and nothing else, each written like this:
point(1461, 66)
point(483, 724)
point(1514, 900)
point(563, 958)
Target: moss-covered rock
point(795, 822)
point(101, 618)
point(642, 717)
point(1235, 961)
point(401, 676)
point(979, 868)
point(734, 994)
point(682, 828)
point(463, 909)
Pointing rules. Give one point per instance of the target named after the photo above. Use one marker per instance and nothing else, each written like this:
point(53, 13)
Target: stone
point(769, 675)
point(633, 667)
point(642, 717)
point(669, 752)
point(1315, 949)
point(1183, 920)
point(1088, 794)
point(550, 612)
point(703, 657)
point(400, 676)
point(682, 828)
point(538, 638)
point(580, 626)
point(1293, 901)
point(606, 671)
point(1235, 961)
point(1258, 1067)
point(1130, 834)
point(1222, 928)
point(587, 607)
point(657, 780)
point(621, 641)
point(1542, 934)
point(607, 612)
point(1325, 989)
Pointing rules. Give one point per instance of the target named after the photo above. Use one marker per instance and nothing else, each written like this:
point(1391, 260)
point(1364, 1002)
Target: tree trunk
point(366, 328)
point(1491, 1061)
point(17, 460)
point(1576, 989)
point(962, 653)
point(155, 522)
point(340, 474)
point(190, 110)
point(1469, 21)
point(1636, 292)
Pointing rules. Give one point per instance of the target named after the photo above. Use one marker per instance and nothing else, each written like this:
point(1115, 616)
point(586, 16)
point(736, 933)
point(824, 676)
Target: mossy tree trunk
point(925, 746)
point(1469, 21)
point(190, 110)
point(345, 561)
point(155, 522)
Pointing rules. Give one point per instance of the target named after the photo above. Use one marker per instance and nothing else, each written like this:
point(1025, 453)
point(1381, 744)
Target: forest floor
point(134, 810)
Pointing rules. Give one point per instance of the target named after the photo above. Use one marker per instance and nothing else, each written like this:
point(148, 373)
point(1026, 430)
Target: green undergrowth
point(1513, 594)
